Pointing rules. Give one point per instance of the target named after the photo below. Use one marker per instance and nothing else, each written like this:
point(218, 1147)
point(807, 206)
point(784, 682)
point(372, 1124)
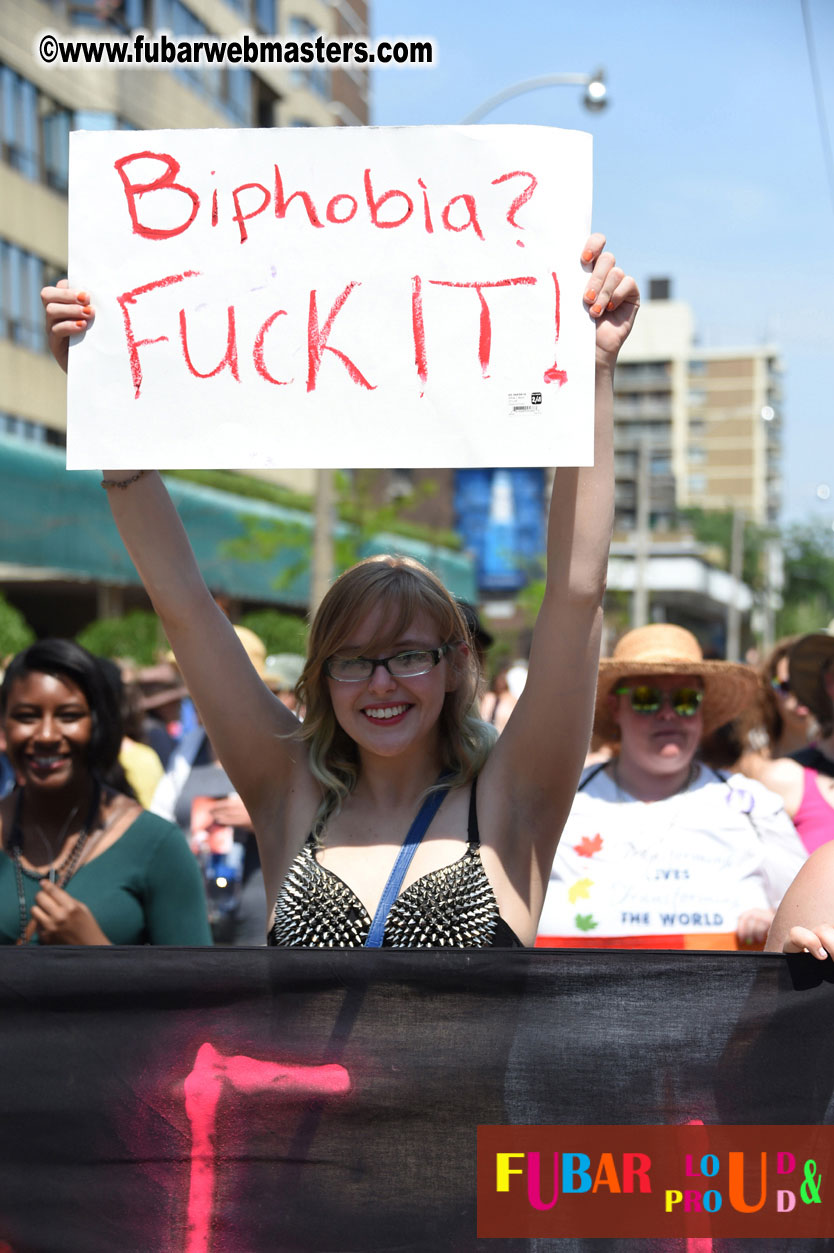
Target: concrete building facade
point(40, 105)
point(708, 419)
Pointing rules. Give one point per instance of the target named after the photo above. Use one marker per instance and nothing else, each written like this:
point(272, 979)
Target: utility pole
point(321, 565)
point(640, 596)
point(736, 572)
point(775, 581)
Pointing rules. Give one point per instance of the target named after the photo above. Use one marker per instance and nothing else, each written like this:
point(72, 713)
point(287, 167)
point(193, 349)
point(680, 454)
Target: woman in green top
point(82, 863)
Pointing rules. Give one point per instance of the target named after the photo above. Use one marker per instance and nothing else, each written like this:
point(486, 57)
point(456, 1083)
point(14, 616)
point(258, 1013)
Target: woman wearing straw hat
point(661, 851)
point(804, 780)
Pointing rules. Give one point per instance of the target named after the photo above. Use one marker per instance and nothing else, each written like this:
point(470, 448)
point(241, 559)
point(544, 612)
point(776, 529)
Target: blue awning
point(59, 521)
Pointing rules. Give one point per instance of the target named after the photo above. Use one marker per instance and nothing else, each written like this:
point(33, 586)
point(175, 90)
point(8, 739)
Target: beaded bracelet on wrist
point(122, 483)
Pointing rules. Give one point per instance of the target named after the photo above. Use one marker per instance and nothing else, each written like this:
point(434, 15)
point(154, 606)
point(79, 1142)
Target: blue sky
point(709, 163)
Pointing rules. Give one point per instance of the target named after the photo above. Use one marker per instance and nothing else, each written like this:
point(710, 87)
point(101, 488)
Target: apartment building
point(58, 562)
point(40, 105)
point(707, 421)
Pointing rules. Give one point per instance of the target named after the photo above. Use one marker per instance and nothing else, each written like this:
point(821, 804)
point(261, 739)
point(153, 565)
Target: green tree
point(358, 507)
point(137, 635)
point(714, 528)
point(280, 632)
point(15, 632)
point(808, 593)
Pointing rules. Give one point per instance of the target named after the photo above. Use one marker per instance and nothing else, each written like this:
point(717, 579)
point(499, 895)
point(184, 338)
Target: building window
point(34, 131)
point(625, 464)
point(227, 89)
point(315, 77)
point(264, 110)
point(55, 129)
point(239, 95)
point(21, 428)
point(697, 454)
point(22, 275)
point(172, 15)
point(19, 109)
point(697, 483)
point(632, 374)
point(94, 120)
point(265, 16)
point(261, 13)
point(123, 15)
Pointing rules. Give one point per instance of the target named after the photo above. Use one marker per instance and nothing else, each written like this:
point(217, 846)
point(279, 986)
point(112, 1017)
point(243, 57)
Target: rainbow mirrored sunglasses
point(644, 699)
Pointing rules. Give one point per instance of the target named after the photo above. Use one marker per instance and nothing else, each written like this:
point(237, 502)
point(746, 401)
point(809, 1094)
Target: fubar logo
point(649, 1181)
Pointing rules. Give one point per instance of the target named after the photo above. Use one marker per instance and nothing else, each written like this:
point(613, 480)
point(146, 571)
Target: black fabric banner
point(281, 1101)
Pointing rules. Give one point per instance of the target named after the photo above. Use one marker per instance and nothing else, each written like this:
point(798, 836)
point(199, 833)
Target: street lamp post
point(595, 96)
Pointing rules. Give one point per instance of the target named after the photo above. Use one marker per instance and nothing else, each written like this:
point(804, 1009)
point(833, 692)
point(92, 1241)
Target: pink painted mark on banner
point(203, 1087)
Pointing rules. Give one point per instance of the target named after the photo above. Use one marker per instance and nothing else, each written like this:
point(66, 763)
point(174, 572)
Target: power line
point(822, 121)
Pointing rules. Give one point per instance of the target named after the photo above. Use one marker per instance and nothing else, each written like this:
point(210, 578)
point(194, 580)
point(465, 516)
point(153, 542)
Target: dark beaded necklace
point(59, 873)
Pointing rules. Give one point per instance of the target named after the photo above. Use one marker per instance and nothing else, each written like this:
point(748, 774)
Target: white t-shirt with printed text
point(689, 864)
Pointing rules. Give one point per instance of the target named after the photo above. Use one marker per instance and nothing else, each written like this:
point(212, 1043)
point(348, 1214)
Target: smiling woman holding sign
point(368, 821)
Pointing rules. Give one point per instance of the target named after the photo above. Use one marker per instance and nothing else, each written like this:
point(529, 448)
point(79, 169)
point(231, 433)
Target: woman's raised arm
point(809, 900)
point(531, 777)
point(247, 725)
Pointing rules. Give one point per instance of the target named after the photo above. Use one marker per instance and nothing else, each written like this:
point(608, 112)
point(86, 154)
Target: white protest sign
point(335, 297)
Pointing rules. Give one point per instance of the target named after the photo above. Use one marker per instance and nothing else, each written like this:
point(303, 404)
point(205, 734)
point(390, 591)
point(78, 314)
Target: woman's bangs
point(395, 599)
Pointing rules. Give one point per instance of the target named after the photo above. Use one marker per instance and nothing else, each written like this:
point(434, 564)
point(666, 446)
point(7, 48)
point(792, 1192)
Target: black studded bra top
point(453, 907)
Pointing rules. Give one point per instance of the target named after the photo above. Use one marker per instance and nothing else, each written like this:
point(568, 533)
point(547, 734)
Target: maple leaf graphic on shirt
point(585, 922)
point(588, 845)
point(579, 890)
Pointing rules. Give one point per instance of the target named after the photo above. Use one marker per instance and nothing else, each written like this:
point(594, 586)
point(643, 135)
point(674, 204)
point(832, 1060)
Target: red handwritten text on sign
point(386, 209)
point(270, 297)
point(318, 335)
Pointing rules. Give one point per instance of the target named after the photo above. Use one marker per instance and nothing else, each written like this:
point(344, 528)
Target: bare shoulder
point(282, 821)
point(515, 811)
point(821, 864)
point(809, 901)
point(813, 888)
point(777, 773)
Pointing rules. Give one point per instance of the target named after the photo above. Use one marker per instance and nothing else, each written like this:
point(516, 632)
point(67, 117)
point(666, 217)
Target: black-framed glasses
point(644, 699)
point(405, 665)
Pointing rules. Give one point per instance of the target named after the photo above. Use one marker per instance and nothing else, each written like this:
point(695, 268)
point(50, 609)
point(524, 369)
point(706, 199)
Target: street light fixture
point(595, 96)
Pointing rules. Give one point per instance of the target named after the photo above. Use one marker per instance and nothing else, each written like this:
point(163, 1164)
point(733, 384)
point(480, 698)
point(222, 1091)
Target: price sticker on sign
point(337, 297)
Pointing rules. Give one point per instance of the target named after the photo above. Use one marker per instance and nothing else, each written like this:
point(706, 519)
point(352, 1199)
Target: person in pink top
point(805, 780)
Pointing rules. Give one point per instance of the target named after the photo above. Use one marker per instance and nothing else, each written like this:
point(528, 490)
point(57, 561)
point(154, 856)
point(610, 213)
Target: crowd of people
point(405, 808)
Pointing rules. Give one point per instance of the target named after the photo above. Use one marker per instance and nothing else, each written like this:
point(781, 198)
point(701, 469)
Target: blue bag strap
point(391, 891)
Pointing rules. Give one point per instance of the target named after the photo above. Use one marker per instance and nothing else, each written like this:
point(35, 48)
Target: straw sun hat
point(663, 649)
point(806, 662)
